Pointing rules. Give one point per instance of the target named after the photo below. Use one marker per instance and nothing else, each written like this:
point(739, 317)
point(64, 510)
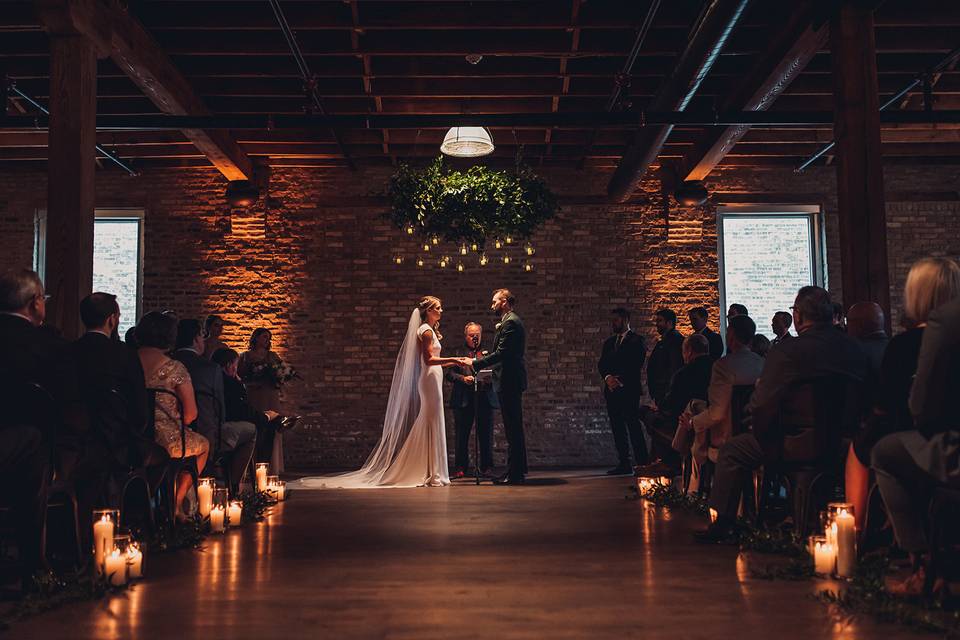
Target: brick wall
point(314, 262)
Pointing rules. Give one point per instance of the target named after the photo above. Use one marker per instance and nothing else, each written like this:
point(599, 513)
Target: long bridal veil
point(403, 405)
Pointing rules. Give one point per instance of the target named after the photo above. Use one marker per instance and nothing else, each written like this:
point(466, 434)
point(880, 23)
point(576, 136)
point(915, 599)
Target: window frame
point(816, 238)
point(112, 213)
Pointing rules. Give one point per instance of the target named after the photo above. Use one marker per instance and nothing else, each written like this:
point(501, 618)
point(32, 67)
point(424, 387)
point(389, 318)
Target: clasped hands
point(467, 365)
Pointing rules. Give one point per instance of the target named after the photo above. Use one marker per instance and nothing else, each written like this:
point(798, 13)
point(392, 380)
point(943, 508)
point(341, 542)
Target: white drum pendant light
point(467, 142)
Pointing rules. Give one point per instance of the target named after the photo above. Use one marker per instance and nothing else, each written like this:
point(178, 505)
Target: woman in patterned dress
point(156, 334)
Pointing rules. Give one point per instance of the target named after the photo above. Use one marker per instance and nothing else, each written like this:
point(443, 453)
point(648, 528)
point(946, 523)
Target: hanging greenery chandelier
point(455, 216)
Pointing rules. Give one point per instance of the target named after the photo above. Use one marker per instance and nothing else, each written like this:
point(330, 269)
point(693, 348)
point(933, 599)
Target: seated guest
point(24, 454)
point(910, 464)
point(666, 357)
point(156, 334)
point(760, 344)
point(689, 383)
point(839, 319)
point(780, 324)
point(698, 322)
point(866, 323)
point(779, 405)
point(107, 365)
point(238, 439)
point(212, 330)
point(741, 366)
point(130, 338)
point(239, 409)
point(930, 283)
point(621, 368)
point(736, 309)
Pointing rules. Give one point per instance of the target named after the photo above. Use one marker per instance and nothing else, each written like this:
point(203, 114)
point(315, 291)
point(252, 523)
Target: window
point(766, 254)
point(117, 257)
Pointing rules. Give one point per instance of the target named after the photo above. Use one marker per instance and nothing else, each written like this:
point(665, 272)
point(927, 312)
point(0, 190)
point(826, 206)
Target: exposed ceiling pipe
point(950, 59)
point(309, 81)
point(702, 51)
point(625, 72)
point(13, 89)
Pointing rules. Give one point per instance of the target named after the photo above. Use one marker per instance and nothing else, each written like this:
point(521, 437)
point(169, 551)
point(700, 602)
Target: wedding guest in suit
point(782, 403)
point(741, 366)
point(238, 408)
point(509, 381)
point(176, 409)
point(212, 330)
point(130, 338)
point(930, 283)
point(866, 323)
point(666, 357)
point(621, 369)
point(24, 454)
point(911, 464)
point(235, 438)
point(107, 367)
point(689, 383)
point(736, 309)
point(698, 322)
point(471, 405)
point(781, 324)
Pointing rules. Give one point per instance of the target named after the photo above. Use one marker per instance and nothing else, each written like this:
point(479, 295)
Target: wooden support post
point(70, 169)
point(856, 129)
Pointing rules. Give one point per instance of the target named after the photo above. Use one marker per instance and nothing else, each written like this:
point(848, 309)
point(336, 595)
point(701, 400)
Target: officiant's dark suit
point(509, 382)
point(622, 357)
point(469, 405)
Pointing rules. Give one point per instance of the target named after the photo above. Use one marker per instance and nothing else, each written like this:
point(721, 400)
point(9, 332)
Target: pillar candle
point(235, 513)
point(134, 562)
point(216, 519)
point(846, 540)
point(204, 499)
point(102, 541)
point(116, 567)
point(261, 477)
point(824, 558)
point(281, 488)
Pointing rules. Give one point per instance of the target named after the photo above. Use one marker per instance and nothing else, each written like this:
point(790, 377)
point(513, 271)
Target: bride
point(412, 451)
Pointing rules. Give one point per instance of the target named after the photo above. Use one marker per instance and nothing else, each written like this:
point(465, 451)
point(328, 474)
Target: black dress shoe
point(509, 481)
point(621, 470)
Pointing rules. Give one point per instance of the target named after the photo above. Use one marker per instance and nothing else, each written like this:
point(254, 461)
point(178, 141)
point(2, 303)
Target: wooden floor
point(568, 557)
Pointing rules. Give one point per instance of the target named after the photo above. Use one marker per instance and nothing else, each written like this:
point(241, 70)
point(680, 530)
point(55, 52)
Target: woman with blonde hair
point(412, 451)
point(930, 283)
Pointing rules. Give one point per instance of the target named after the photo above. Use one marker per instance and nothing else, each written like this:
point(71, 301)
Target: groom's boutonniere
point(484, 353)
point(499, 324)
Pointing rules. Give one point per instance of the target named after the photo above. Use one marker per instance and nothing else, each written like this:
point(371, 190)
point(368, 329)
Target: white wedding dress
point(412, 451)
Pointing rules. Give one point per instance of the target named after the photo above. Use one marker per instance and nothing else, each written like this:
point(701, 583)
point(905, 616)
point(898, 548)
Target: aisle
point(567, 557)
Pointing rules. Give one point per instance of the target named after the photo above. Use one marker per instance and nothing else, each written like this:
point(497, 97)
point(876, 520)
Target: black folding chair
point(176, 465)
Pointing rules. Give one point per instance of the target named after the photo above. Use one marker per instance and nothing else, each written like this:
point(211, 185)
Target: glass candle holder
point(262, 470)
point(134, 561)
point(272, 486)
point(824, 555)
point(235, 513)
point(205, 487)
point(218, 512)
point(281, 490)
point(843, 531)
point(105, 524)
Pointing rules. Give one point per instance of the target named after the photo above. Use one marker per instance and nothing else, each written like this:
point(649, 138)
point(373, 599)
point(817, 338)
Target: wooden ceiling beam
point(139, 56)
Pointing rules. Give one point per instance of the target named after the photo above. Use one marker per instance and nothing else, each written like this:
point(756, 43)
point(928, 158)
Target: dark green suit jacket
point(506, 359)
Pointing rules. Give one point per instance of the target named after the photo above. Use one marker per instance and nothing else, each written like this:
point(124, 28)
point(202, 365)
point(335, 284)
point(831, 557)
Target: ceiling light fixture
point(467, 142)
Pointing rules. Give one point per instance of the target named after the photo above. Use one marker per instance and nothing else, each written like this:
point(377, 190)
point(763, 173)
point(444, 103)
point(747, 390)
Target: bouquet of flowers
point(275, 372)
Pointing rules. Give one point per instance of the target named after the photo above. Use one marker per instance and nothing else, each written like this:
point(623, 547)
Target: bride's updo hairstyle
point(426, 304)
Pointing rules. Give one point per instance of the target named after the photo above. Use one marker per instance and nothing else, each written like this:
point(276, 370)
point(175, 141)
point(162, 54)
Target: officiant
point(471, 405)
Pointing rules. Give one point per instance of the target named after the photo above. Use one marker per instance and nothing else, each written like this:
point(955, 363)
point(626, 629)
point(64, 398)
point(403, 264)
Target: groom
point(509, 381)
